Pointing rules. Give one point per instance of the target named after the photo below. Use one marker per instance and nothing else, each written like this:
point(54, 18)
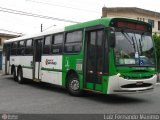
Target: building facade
point(135, 13)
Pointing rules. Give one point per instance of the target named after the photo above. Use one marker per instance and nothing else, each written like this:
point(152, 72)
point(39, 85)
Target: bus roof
point(102, 21)
point(35, 35)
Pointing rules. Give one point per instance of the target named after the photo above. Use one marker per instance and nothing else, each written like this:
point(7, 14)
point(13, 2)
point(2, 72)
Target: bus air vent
point(136, 85)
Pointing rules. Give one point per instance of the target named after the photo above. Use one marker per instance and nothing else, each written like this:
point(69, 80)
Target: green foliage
point(156, 39)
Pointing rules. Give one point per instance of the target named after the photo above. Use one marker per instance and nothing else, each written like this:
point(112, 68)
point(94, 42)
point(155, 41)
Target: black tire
point(20, 78)
point(73, 86)
point(14, 74)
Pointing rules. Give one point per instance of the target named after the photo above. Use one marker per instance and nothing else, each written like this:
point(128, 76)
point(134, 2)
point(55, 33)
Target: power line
point(34, 15)
point(64, 6)
point(49, 27)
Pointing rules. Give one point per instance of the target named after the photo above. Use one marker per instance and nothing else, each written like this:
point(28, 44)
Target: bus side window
point(73, 42)
point(14, 46)
point(46, 45)
point(20, 50)
point(29, 47)
point(57, 41)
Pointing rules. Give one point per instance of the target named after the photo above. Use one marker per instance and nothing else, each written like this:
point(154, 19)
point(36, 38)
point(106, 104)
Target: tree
point(156, 39)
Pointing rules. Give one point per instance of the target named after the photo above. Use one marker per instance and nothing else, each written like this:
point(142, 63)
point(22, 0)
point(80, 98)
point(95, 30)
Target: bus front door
point(94, 60)
point(37, 58)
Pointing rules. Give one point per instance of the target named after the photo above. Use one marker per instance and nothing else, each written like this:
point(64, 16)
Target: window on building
point(151, 22)
point(158, 25)
point(143, 19)
point(140, 19)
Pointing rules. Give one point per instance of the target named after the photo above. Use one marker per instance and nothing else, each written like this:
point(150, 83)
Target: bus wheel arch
point(73, 83)
point(69, 73)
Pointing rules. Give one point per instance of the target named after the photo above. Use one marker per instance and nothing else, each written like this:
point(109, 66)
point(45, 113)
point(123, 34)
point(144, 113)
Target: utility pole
point(41, 27)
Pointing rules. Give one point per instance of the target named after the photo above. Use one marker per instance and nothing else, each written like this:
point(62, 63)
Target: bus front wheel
point(74, 86)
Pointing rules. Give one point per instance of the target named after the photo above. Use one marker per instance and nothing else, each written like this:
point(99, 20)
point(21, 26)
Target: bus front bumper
point(117, 85)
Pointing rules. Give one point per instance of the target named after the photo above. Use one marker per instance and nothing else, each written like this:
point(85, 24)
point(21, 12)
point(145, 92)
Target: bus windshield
point(135, 49)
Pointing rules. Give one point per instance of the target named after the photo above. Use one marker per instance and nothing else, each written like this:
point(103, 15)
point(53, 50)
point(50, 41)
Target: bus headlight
point(119, 75)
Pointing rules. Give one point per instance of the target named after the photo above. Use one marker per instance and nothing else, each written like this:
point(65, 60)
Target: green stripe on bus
point(51, 69)
point(29, 67)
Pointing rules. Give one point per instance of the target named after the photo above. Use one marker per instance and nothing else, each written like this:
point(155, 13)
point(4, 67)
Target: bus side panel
point(14, 60)
point(51, 69)
point(74, 63)
point(105, 84)
point(26, 63)
point(27, 73)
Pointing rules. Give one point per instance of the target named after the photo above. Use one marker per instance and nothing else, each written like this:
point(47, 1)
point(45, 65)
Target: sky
point(72, 10)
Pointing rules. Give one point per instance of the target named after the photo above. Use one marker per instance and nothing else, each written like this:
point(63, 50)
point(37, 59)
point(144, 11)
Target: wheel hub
point(19, 77)
point(74, 84)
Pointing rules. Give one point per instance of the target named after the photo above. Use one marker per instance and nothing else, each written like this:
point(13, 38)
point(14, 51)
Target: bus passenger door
point(37, 58)
point(94, 60)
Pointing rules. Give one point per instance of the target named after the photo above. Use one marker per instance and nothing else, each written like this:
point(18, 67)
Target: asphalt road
point(44, 98)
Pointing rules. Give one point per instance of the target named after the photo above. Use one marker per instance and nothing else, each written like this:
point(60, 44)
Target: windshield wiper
point(140, 46)
point(129, 40)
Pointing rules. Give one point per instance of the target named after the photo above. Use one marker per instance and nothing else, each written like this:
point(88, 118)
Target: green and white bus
point(107, 55)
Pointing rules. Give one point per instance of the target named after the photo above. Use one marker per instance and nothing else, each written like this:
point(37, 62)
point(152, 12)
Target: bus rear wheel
point(20, 78)
point(14, 75)
point(74, 86)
